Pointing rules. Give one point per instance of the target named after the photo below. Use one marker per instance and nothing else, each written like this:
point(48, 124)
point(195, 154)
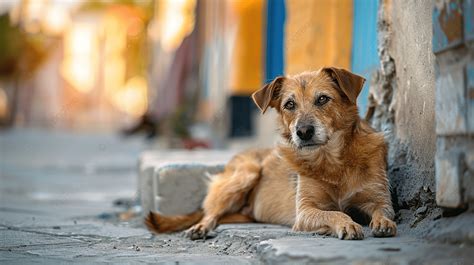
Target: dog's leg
point(322, 222)
point(375, 201)
point(227, 194)
point(381, 223)
point(310, 218)
point(235, 218)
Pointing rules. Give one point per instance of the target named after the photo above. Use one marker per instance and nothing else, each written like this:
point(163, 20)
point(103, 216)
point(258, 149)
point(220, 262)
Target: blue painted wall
point(274, 52)
point(365, 59)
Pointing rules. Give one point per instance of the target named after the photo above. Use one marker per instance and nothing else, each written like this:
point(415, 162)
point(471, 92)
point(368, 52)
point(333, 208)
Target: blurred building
point(191, 65)
point(243, 44)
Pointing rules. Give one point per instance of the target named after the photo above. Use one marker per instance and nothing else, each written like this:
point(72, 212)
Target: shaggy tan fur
point(312, 179)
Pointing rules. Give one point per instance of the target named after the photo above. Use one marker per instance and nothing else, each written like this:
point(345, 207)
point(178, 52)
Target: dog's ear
point(268, 94)
point(350, 83)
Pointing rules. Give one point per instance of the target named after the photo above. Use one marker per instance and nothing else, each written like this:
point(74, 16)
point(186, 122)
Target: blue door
point(274, 52)
point(365, 59)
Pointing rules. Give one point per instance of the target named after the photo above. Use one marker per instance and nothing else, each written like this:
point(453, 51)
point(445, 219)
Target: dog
point(328, 162)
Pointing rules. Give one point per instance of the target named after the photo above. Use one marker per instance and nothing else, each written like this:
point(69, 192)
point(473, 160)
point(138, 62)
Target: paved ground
point(57, 194)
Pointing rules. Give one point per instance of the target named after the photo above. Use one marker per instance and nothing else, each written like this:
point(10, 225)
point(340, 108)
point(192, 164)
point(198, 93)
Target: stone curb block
point(175, 182)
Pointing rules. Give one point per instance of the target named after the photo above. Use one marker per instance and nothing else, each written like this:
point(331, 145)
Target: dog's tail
point(167, 224)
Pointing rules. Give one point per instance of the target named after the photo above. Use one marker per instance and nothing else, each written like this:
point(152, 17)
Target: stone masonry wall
point(402, 104)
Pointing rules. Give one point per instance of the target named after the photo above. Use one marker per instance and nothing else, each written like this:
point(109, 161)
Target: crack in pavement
point(10, 248)
point(73, 236)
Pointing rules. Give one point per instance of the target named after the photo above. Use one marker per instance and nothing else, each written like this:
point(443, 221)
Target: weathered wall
point(402, 101)
point(415, 97)
point(453, 27)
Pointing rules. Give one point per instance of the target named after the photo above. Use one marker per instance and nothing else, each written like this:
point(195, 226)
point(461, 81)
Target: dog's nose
point(305, 132)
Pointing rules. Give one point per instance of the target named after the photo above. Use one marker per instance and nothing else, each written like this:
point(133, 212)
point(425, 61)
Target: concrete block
point(448, 188)
point(447, 25)
point(448, 168)
point(181, 188)
point(468, 181)
point(451, 103)
point(175, 182)
point(470, 95)
point(396, 250)
point(145, 188)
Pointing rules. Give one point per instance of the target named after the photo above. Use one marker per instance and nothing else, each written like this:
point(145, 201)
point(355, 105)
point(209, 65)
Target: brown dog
point(329, 162)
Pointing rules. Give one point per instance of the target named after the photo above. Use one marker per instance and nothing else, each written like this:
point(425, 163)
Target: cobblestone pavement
point(57, 194)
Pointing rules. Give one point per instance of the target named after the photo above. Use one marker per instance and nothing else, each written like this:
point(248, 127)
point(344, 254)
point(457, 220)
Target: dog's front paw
point(349, 230)
point(383, 227)
point(196, 232)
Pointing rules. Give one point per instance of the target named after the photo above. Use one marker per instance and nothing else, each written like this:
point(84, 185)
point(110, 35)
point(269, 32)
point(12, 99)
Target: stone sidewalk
point(61, 196)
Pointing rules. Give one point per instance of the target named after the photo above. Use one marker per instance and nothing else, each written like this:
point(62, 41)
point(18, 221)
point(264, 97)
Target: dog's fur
point(329, 162)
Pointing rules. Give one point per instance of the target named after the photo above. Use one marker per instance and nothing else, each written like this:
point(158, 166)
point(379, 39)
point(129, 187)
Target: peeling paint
point(447, 26)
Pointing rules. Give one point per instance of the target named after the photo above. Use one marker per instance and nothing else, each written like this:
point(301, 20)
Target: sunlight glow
point(32, 13)
point(81, 56)
point(132, 98)
point(95, 59)
point(56, 20)
point(115, 67)
point(177, 22)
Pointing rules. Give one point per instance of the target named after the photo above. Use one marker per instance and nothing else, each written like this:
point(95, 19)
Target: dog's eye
point(322, 100)
point(290, 105)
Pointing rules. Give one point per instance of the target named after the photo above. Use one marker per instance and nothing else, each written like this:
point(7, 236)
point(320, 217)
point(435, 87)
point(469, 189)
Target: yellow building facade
point(246, 72)
point(318, 33)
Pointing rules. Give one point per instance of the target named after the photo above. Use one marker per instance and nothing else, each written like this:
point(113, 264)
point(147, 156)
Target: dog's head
point(312, 105)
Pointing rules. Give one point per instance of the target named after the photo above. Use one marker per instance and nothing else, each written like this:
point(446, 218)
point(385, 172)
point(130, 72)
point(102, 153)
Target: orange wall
point(247, 59)
point(317, 33)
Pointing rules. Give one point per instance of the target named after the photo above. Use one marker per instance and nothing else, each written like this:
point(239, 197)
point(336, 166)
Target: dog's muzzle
point(308, 134)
